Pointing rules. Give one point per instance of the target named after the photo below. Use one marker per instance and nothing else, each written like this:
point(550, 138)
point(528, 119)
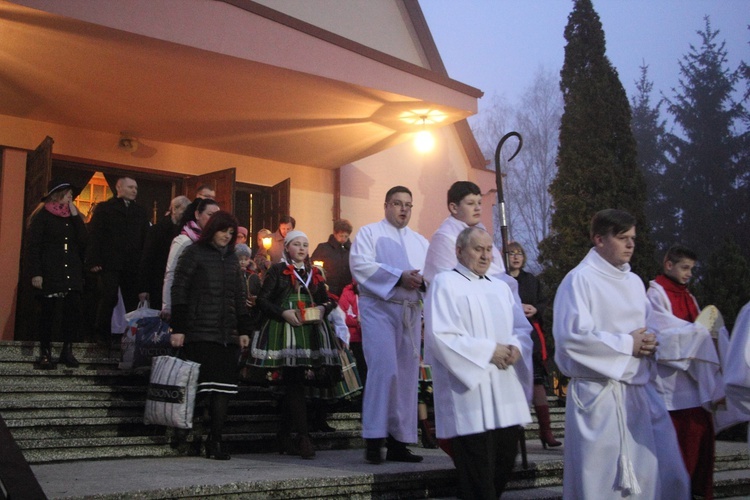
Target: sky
point(498, 46)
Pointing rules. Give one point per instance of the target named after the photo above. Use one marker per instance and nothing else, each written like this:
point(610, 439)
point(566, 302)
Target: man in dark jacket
point(117, 232)
point(156, 251)
point(334, 254)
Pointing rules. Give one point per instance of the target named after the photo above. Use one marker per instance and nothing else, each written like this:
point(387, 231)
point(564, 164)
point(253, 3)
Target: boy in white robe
point(619, 439)
point(481, 367)
point(688, 372)
point(386, 259)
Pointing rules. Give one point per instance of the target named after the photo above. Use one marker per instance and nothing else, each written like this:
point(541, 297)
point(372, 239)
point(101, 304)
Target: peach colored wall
point(11, 228)
point(380, 24)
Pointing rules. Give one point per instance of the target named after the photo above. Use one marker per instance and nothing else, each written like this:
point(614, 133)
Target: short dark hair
point(460, 189)
point(220, 221)
point(342, 226)
point(397, 189)
point(677, 252)
point(287, 219)
point(197, 205)
point(611, 221)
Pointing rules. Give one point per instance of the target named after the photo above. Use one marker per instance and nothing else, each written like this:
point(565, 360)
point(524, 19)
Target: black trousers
point(59, 315)
point(108, 283)
point(484, 462)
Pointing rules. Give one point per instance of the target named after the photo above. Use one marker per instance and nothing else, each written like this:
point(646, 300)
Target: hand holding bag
point(170, 399)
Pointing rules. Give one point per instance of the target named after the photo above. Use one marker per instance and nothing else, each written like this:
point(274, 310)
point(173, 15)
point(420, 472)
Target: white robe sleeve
point(737, 363)
point(582, 350)
point(376, 277)
point(441, 256)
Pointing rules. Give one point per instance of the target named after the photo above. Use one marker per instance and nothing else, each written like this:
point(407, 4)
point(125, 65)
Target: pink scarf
point(192, 230)
point(57, 208)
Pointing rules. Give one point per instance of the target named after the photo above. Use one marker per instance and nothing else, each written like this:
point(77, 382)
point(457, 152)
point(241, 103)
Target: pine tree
point(707, 172)
point(649, 131)
point(725, 281)
point(596, 160)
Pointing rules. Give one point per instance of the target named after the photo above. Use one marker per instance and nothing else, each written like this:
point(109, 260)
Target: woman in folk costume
point(211, 320)
point(56, 241)
point(193, 221)
point(533, 302)
point(295, 348)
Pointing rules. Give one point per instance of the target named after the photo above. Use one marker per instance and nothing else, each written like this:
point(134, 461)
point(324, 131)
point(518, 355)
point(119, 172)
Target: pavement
point(172, 477)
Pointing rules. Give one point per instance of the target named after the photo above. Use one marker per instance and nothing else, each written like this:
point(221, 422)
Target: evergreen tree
point(707, 170)
point(725, 281)
point(649, 131)
point(596, 160)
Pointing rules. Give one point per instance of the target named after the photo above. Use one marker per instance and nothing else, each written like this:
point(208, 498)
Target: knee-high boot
point(219, 406)
point(295, 397)
point(545, 428)
point(66, 356)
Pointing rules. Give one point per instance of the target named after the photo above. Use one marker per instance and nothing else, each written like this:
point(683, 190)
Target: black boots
point(66, 356)
point(398, 452)
point(214, 448)
point(372, 452)
point(45, 358)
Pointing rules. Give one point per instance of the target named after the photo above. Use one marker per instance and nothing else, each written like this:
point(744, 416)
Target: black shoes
point(372, 452)
point(214, 448)
point(398, 452)
point(67, 358)
point(45, 359)
point(306, 449)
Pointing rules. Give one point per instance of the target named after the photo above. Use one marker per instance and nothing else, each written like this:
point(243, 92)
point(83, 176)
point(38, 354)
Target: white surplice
point(736, 364)
point(619, 438)
point(688, 371)
point(390, 317)
point(465, 318)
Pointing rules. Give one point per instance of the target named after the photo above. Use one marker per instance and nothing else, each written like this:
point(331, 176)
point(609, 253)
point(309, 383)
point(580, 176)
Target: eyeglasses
point(401, 204)
point(515, 253)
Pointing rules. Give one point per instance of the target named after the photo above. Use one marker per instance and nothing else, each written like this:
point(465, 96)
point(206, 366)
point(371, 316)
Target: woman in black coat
point(56, 244)
point(211, 320)
point(533, 303)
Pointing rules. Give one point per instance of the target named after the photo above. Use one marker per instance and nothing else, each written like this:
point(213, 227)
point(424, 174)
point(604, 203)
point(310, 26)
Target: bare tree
point(528, 176)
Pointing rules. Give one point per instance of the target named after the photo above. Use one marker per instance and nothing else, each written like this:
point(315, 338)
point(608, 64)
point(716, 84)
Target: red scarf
point(683, 303)
point(57, 208)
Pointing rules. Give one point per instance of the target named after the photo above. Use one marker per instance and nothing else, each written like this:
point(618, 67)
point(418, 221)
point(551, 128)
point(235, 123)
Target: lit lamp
point(267, 242)
point(424, 142)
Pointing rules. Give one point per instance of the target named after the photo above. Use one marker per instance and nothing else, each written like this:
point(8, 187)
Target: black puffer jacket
point(276, 287)
point(335, 257)
point(55, 252)
point(208, 296)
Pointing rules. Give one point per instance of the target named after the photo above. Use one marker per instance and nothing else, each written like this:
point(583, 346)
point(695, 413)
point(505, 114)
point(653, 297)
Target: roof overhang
point(232, 76)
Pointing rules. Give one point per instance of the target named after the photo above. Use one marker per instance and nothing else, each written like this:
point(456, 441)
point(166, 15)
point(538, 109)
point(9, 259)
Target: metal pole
point(500, 196)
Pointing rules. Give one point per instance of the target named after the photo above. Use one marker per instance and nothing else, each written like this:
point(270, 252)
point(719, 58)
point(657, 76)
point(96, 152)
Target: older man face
point(476, 255)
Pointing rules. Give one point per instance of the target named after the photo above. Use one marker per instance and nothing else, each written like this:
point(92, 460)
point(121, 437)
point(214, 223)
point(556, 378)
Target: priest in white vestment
point(481, 367)
point(386, 260)
point(736, 366)
point(619, 438)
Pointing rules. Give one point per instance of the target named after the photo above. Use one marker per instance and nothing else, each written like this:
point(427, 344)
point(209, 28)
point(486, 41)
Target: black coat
point(335, 257)
point(208, 296)
point(530, 291)
point(154, 258)
point(277, 285)
point(55, 252)
point(116, 236)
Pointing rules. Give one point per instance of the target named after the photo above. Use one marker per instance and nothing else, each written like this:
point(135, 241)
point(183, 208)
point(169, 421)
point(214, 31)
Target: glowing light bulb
point(424, 141)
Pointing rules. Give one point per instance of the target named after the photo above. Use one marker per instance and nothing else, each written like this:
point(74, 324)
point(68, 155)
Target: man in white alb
point(619, 439)
point(481, 367)
point(386, 259)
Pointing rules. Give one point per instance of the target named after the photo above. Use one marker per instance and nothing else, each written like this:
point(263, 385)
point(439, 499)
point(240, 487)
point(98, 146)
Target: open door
point(222, 182)
point(38, 173)
point(280, 195)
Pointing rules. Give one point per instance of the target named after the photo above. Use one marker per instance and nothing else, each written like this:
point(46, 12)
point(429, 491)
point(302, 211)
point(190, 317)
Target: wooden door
point(279, 202)
point(222, 182)
point(38, 173)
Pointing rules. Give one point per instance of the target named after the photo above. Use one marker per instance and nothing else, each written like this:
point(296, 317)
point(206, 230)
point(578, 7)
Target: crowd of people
point(645, 375)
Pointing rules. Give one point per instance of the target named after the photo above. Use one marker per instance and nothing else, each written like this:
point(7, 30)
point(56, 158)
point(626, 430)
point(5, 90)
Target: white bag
point(127, 343)
point(170, 399)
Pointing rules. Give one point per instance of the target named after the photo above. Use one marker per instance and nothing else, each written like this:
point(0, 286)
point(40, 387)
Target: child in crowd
point(688, 376)
point(250, 270)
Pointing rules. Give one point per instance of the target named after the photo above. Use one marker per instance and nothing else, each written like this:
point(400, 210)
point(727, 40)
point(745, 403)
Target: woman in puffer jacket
point(211, 320)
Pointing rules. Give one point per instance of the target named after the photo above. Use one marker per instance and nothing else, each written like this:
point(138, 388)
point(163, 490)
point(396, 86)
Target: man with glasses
point(386, 260)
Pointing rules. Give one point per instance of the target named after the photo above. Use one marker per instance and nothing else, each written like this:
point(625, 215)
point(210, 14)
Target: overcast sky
point(498, 45)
